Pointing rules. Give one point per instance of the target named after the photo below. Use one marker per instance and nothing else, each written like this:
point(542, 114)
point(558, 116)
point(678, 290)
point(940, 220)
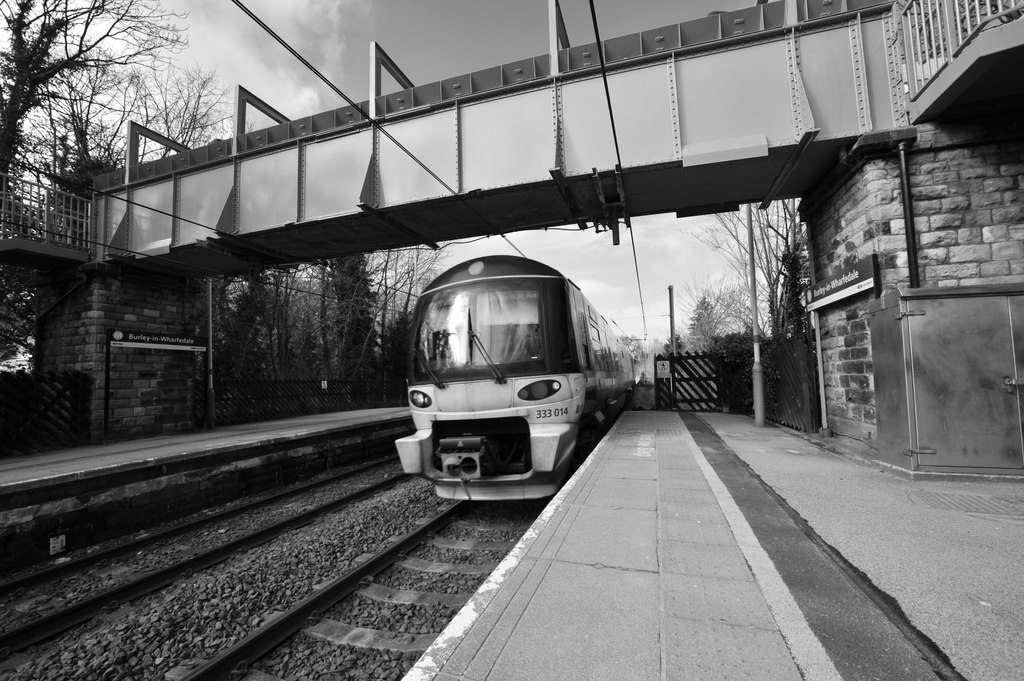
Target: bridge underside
point(785, 171)
point(987, 66)
point(667, 188)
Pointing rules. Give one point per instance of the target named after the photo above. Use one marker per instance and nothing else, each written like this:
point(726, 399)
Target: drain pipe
point(882, 143)
point(908, 215)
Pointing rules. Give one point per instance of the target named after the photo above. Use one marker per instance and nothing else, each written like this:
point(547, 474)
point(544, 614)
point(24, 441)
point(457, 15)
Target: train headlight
point(419, 399)
point(540, 390)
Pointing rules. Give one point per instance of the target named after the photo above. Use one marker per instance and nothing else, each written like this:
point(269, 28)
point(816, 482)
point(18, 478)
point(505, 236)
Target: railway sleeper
point(257, 675)
point(385, 594)
point(492, 526)
point(421, 565)
point(471, 544)
point(340, 633)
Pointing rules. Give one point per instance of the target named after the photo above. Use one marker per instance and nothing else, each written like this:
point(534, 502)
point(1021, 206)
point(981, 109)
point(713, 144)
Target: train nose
point(474, 396)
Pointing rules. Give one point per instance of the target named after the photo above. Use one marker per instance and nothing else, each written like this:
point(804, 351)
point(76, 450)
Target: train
point(509, 364)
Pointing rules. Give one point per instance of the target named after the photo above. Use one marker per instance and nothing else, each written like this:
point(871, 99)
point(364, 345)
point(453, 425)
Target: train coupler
point(460, 456)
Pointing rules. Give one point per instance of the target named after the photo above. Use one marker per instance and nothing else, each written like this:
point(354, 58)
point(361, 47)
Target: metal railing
point(935, 31)
point(34, 211)
point(251, 400)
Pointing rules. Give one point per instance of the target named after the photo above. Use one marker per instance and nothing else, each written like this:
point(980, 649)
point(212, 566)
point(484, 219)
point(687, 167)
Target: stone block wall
point(969, 205)
point(151, 391)
point(967, 184)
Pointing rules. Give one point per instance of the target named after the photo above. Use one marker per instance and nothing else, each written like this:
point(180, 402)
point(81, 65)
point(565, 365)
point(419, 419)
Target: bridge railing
point(33, 211)
point(937, 30)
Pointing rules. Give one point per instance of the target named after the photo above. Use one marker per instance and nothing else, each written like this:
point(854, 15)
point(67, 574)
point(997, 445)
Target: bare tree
point(777, 231)
point(188, 105)
point(46, 39)
point(716, 307)
point(400, 274)
point(78, 129)
point(81, 130)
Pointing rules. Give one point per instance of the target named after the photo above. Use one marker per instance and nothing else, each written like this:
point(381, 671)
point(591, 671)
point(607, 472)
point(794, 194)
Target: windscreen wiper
point(498, 376)
point(425, 363)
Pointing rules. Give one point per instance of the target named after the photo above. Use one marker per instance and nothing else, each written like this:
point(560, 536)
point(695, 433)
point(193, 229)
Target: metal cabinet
point(947, 363)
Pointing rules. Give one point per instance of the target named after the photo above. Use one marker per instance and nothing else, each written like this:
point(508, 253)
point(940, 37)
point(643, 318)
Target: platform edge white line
point(808, 653)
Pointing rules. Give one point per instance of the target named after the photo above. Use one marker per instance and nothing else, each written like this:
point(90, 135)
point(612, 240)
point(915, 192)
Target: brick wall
point(967, 183)
point(151, 391)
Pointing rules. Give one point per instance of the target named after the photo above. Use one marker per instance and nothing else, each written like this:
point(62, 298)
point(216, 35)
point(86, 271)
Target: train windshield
point(478, 327)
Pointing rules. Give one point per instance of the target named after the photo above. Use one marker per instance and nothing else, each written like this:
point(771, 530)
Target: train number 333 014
point(552, 413)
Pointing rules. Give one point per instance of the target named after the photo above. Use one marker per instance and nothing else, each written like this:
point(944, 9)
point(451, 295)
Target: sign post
point(861, 277)
point(210, 413)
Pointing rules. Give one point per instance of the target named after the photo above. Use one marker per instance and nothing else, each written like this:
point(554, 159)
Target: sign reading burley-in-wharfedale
point(119, 338)
point(862, 276)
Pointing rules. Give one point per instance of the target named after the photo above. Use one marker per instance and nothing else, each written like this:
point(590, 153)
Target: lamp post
point(757, 371)
point(210, 415)
point(672, 321)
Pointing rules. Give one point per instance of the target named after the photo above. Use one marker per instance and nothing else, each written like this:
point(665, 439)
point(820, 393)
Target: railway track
point(45, 603)
point(318, 635)
point(174, 623)
point(28, 579)
point(64, 618)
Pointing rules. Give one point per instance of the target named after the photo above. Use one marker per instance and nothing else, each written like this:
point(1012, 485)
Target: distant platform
point(94, 493)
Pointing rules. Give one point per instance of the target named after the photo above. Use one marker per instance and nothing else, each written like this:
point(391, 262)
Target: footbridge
point(688, 118)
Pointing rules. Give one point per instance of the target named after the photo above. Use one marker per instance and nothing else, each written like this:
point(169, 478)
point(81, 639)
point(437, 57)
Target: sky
point(435, 39)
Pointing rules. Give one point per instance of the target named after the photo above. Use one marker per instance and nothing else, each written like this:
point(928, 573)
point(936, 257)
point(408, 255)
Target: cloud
point(321, 31)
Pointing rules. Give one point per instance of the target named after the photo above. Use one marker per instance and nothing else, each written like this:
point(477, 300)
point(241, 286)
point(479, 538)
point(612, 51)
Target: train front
point(494, 385)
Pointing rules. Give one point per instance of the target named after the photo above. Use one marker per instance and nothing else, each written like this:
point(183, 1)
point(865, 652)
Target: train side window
point(598, 348)
point(582, 338)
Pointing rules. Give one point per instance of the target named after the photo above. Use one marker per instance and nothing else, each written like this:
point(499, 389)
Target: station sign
point(861, 277)
point(119, 338)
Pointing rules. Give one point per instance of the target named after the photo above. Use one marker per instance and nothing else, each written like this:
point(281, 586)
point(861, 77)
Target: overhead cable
point(618, 156)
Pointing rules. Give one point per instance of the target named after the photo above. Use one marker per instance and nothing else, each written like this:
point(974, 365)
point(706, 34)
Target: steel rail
point(60, 570)
point(237, 659)
point(62, 620)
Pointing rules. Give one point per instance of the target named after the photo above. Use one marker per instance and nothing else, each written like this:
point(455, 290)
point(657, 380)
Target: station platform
point(58, 501)
point(49, 468)
point(703, 547)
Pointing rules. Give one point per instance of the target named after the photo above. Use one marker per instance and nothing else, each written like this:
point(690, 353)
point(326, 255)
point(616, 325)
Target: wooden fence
point(702, 382)
point(40, 413)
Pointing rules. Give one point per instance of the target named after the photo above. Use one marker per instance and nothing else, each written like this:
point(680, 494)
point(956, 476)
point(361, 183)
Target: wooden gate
point(687, 382)
point(790, 385)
